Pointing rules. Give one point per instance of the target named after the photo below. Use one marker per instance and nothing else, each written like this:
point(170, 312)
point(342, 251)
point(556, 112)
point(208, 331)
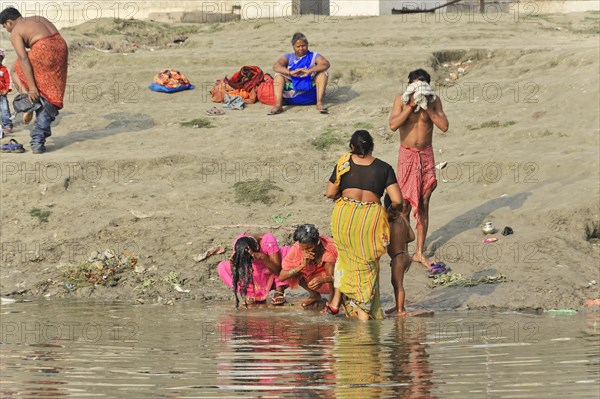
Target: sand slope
point(522, 151)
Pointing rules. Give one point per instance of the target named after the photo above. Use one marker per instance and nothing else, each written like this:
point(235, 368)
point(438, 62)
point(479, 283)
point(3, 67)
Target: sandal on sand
point(250, 300)
point(324, 111)
point(214, 111)
point(437, 269)
point(13, 146)
point(330, 310)
point(278, 299)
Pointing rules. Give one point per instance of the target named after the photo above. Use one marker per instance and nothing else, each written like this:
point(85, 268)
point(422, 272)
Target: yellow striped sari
point(361, 233)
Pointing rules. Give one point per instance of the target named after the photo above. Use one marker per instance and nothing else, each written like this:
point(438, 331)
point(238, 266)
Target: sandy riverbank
point(123, 174)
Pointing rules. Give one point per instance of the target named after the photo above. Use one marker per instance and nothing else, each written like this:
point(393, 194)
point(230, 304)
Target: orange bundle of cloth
point(169, 81)
point(171, 78)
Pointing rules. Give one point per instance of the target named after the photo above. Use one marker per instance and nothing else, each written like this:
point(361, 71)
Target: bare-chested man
point(41, 72)
point(416, 164)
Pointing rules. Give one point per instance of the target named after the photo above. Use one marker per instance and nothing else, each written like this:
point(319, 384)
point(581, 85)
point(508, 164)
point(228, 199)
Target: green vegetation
point(491, 124)
point(40, 214)
point(326, 140)
point(171, 278)
point(247, 192)
point(280, 219)
point(148, 283)
point(105, 269)
point(198, 123)
point(457, 279)
point(363, 125)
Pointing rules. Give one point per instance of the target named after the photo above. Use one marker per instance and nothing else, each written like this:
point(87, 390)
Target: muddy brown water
point(57, 348)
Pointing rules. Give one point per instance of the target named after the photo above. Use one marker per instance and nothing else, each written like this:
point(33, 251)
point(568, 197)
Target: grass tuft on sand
point(326, 140)
point(198, 123)
point(248, 192)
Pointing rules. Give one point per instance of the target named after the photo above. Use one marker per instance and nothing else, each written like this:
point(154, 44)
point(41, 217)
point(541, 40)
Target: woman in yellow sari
point(359, 225)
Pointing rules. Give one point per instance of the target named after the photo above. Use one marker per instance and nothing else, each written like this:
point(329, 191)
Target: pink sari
point(263, 280)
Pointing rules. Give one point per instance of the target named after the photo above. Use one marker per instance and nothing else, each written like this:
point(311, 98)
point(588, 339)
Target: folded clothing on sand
point(170, 81)
point(422, 94)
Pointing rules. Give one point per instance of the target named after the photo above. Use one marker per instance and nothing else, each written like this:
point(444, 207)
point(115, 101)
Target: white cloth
point(422, 94)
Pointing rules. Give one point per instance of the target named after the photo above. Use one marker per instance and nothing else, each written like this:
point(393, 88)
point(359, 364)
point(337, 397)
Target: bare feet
point(313, 299)
point(276, 110)
point(27, 117)
point(393, 312)
point(322, 109)
point(420, 258)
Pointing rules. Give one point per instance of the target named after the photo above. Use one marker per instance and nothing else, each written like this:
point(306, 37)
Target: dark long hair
point(241, 267)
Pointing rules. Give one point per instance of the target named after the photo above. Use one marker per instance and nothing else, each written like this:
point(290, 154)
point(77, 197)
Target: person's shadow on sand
point(473, 218)
point(336, 94)
point(122, 122)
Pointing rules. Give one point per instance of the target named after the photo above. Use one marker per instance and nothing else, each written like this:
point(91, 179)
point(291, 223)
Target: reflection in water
point(194, 351)
point(409, 361)
point(333, 358)
point(373, 359)
point(262, 353)
point(359, 363)
point(39, 360)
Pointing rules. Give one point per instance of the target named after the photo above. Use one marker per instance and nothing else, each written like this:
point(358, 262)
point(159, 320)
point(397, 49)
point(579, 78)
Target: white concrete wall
point(344, 8)
point(557, 6)
point(73, 12)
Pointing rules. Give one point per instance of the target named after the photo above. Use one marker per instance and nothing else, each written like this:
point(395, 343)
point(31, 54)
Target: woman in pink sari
point(310, 263)
point(253, 269)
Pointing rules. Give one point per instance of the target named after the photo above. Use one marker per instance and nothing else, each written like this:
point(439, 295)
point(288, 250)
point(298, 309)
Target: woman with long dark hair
point(253, 269)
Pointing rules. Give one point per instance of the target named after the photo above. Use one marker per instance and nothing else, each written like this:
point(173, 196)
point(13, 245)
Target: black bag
point(21, 103)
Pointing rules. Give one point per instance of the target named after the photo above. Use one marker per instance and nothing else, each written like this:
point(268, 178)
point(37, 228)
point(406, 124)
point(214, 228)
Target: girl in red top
point(7, 124)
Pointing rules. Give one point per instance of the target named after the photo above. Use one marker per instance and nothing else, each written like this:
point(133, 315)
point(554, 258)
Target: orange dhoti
point(48, 57)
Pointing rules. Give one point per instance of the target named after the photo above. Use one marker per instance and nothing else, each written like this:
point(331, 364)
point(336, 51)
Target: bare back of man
point(416, 133)
point(32, 29)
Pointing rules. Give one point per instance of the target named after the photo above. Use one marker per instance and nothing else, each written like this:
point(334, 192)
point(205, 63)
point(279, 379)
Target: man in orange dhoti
point(41, 72)
point(415, 113)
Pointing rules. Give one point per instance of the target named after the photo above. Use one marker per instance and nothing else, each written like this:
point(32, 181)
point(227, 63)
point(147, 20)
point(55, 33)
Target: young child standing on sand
point(7, 125)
